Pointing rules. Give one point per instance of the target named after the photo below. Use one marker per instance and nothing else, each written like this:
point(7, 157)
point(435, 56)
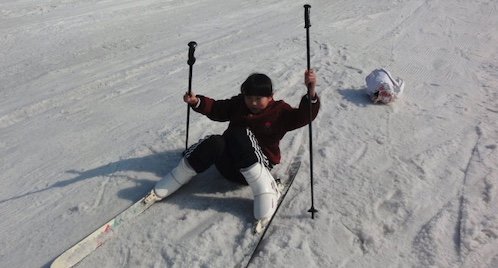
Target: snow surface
point(91, 116)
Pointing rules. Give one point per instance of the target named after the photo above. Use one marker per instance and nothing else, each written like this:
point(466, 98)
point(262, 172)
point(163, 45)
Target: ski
point(291, 173)
point(90, 243)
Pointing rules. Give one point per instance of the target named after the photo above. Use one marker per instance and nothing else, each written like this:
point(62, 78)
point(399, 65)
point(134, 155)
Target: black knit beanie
point(257, 85)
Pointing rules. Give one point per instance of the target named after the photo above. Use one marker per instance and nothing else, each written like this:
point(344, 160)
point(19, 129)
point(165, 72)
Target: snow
point(91, 117)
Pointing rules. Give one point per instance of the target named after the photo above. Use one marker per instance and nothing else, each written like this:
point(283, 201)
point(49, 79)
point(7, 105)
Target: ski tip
point(59, 263)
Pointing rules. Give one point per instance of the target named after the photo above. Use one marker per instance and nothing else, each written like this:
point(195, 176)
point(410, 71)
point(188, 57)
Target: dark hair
point(257, 85)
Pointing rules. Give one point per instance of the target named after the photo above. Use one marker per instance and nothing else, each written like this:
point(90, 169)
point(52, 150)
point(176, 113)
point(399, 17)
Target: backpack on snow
point(381, 87)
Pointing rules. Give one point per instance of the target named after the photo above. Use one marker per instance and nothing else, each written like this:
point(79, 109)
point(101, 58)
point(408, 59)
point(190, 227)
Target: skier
point(249, 147)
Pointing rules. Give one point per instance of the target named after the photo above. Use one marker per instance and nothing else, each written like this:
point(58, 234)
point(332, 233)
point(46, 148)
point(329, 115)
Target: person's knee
point(242, 147)
point(205, 153)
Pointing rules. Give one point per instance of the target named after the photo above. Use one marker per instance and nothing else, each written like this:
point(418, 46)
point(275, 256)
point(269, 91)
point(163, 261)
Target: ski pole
point(307, 25)
point(191, 61)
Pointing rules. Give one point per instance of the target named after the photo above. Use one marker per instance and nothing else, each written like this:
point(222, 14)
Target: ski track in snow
point(91, 117)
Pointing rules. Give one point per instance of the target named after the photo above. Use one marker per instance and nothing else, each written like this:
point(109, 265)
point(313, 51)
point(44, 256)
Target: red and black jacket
point(269, 126)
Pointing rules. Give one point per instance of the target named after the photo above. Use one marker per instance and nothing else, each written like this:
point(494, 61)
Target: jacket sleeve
point(295, 118)
point(216, 110)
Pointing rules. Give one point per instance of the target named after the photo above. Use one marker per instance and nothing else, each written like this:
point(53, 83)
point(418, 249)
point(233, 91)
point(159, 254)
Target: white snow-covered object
point(382, 87)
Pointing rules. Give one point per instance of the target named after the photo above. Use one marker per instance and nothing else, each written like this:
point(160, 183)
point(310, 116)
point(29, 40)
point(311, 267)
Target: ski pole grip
point(307, 16)
point(191, 50)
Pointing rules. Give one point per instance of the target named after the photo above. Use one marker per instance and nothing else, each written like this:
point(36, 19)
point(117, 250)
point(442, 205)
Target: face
point(256, 104)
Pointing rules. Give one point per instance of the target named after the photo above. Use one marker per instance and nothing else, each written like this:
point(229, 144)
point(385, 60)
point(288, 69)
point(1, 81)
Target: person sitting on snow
point(249, 147)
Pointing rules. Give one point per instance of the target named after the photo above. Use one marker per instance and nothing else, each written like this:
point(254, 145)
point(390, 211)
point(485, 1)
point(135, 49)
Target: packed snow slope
point(91, 116)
